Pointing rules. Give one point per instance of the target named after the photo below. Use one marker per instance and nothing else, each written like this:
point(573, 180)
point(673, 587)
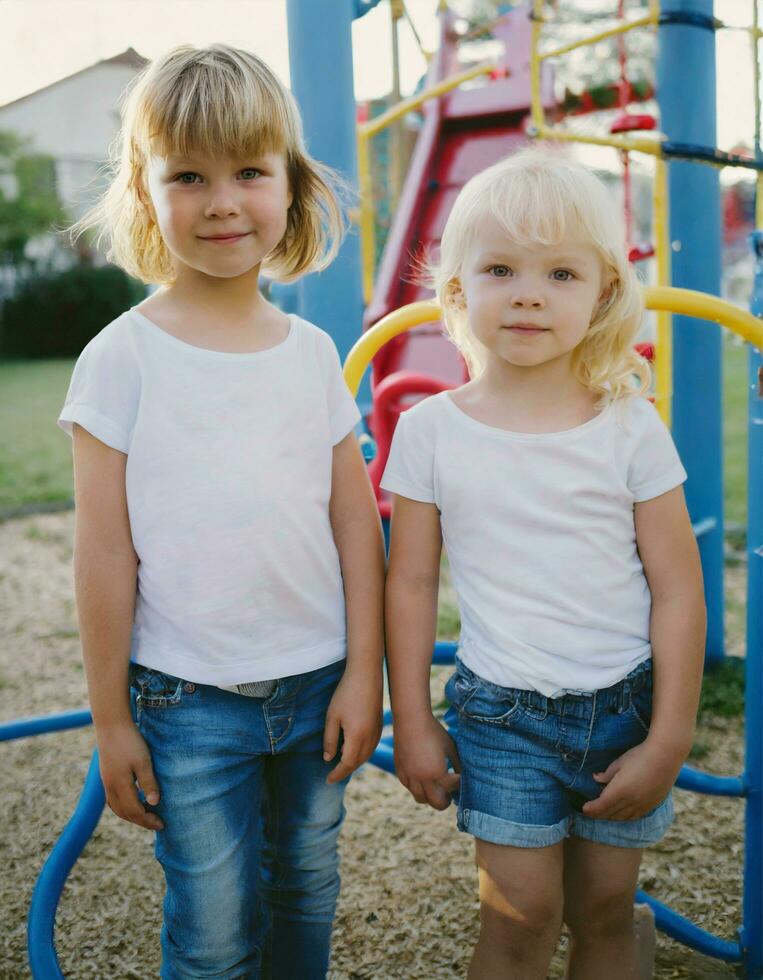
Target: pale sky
point(42, 41)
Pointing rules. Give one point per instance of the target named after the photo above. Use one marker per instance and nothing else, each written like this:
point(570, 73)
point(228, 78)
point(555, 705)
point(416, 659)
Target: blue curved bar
point(47, 892)
point(709, 784)
point(383, 758)
point(682, 929)
point(444, 653)
point(22, 727)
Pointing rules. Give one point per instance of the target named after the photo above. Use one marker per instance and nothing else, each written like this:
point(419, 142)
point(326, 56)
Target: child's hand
point(634, 783)
point(421, 762)
point(125, 760)
point(355, 711)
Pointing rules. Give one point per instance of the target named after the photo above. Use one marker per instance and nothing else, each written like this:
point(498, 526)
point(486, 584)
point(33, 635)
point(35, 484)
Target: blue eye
point(248, 173)
point(562, 275)
point(499, 271)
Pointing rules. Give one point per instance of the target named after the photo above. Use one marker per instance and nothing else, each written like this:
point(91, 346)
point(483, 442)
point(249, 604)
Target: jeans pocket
point(154, 688)
point(482, 701)
point(641, 707)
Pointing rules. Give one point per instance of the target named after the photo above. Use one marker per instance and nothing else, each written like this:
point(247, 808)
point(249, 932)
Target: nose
point(528, 300)
point(222, 203)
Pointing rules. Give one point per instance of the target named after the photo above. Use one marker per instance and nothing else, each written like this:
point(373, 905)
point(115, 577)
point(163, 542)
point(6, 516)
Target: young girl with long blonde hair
point(556, 490)
point(227, 547)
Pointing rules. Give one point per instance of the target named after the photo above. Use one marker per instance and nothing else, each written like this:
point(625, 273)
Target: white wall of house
point(75, 120)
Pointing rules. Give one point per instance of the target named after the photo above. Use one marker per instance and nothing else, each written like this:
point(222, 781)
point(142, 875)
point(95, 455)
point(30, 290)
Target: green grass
point(723, 690)
point(35, 455)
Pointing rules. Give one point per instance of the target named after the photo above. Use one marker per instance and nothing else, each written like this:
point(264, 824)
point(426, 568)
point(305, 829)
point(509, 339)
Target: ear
point(139, 182)
point(607, 292)
point(143, 195)
point(455, 294)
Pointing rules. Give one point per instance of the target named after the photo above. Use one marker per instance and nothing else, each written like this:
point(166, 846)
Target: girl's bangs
point(537, 212)
point(216, 117)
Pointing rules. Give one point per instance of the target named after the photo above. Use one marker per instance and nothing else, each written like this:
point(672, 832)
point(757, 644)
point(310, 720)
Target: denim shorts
point(527, 761)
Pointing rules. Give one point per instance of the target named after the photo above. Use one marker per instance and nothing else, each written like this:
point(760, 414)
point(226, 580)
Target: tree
point(29, 204)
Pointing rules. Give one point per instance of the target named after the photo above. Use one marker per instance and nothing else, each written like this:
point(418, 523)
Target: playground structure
point(465, 130)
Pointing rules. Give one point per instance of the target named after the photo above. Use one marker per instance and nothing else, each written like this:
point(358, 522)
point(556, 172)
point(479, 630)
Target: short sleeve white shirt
point(228, 480)
point(540, 535)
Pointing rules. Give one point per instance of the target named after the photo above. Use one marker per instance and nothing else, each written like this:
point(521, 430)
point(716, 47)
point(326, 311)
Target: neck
point(230, 300)
point(549, 390)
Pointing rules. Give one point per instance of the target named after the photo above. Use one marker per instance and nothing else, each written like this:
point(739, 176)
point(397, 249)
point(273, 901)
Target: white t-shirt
point(228, 484)
point(540, 534)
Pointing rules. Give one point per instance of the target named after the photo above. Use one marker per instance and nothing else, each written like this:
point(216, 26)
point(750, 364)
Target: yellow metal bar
point(747, 28)
point(376, 125)
point(664, 352)
point(686, 301)
point(367, 244)
point(690, 302)
point(635, 144)
point(374, 339)
point(601, 36)
point(371, 128)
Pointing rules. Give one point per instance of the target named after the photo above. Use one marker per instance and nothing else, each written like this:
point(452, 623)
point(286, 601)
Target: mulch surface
point(408, 907)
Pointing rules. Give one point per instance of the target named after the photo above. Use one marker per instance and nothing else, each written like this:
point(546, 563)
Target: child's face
point(219, 217)
point(529, 305)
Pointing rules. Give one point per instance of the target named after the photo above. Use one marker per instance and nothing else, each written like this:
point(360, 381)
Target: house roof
point(128, 57)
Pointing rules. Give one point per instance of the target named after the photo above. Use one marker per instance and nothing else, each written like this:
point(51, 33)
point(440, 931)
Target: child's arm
point(642, 777)
point(422, 746)
point(356, 708)
point(105, 573)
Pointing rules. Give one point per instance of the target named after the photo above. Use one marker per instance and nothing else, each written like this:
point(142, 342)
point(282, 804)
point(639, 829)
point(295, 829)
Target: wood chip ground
point(408, 908)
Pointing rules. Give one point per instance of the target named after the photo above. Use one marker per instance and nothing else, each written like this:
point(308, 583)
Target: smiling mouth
point(225, 239)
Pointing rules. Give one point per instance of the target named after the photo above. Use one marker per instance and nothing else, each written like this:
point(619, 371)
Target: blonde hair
point(541, 198)
point(215, 101)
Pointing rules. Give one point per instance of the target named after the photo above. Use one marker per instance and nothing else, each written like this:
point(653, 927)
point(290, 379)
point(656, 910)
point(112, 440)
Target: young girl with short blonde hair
point(556, 491)
point(227, 548)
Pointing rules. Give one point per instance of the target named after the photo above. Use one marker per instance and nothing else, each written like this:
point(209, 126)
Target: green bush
point(56, 314)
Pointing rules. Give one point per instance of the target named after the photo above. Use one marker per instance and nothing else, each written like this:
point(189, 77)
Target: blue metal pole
point(752, 891)
point(686, 90)
point(711, 785)
point(24, 727)
point(320, 60)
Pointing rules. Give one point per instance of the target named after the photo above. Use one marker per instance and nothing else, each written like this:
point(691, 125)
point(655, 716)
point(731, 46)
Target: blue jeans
point(249, 847)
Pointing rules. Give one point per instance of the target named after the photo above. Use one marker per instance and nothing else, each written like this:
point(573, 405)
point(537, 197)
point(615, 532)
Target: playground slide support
point(320, 62)
point(752, 895)
point(686, 87)
point(663, 387)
